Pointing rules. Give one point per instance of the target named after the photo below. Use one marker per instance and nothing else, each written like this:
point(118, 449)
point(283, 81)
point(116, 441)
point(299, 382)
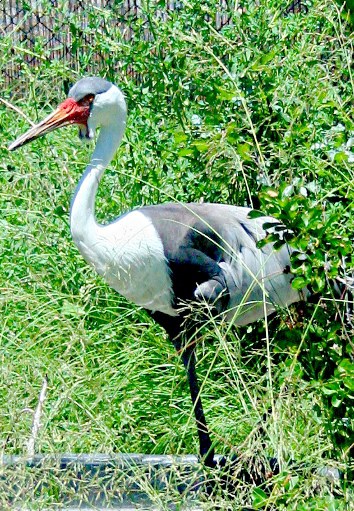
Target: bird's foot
point(231, 472)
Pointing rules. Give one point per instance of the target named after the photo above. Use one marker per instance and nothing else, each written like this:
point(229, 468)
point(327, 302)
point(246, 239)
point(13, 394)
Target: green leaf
point(299, 282)
point(336, 401)
point(346, 367)
point(349, 382)
point(186, 151)
point(259, 498)
point(201, 145)
point(254, 213)
point(180, 137)
point(244, 150)
point(226, 95)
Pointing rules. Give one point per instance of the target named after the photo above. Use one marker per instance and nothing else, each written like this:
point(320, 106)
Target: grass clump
point(258, 112)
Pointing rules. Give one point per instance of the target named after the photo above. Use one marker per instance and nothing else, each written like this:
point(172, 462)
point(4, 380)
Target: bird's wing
point(212, 251)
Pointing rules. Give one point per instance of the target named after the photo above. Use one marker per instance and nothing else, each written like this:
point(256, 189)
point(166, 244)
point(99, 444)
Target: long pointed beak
point(68, 112)
point(56, 119)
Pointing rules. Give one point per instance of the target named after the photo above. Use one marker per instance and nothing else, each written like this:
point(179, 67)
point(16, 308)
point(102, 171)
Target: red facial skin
point(68, 112)
point(72, 112)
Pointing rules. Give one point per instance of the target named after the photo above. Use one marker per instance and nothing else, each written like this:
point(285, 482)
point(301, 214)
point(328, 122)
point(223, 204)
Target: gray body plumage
point(211, 250)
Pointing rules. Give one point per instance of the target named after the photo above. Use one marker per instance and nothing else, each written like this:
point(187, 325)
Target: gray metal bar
point(110, 482)
point(101, 481)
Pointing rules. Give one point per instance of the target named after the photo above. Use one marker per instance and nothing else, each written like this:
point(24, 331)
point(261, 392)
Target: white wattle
point(128, 253)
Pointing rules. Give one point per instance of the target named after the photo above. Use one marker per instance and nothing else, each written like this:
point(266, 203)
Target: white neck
point(82, 216)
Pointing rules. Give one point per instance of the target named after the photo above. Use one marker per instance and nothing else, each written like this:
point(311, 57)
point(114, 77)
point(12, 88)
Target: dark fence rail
point(122, 481)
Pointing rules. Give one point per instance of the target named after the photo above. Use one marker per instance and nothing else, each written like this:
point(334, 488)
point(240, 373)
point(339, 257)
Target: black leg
point(181, 333)
point(206, 450)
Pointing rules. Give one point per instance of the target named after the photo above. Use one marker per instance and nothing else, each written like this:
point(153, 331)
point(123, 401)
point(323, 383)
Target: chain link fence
point(44, 29)
point(48, 24)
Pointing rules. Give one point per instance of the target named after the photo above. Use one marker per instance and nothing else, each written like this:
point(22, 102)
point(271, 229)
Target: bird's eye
point(87, 100)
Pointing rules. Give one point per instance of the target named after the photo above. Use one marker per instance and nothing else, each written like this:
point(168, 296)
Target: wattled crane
point(165, 256)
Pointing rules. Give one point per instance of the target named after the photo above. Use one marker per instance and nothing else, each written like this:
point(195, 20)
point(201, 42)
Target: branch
point(18, 110)
point(36, 418)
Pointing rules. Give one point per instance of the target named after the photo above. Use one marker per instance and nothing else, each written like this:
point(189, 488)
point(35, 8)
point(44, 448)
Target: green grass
point(267, 90)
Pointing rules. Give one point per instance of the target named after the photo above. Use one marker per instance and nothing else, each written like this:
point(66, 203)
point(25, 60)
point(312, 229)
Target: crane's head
point(91, 102)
